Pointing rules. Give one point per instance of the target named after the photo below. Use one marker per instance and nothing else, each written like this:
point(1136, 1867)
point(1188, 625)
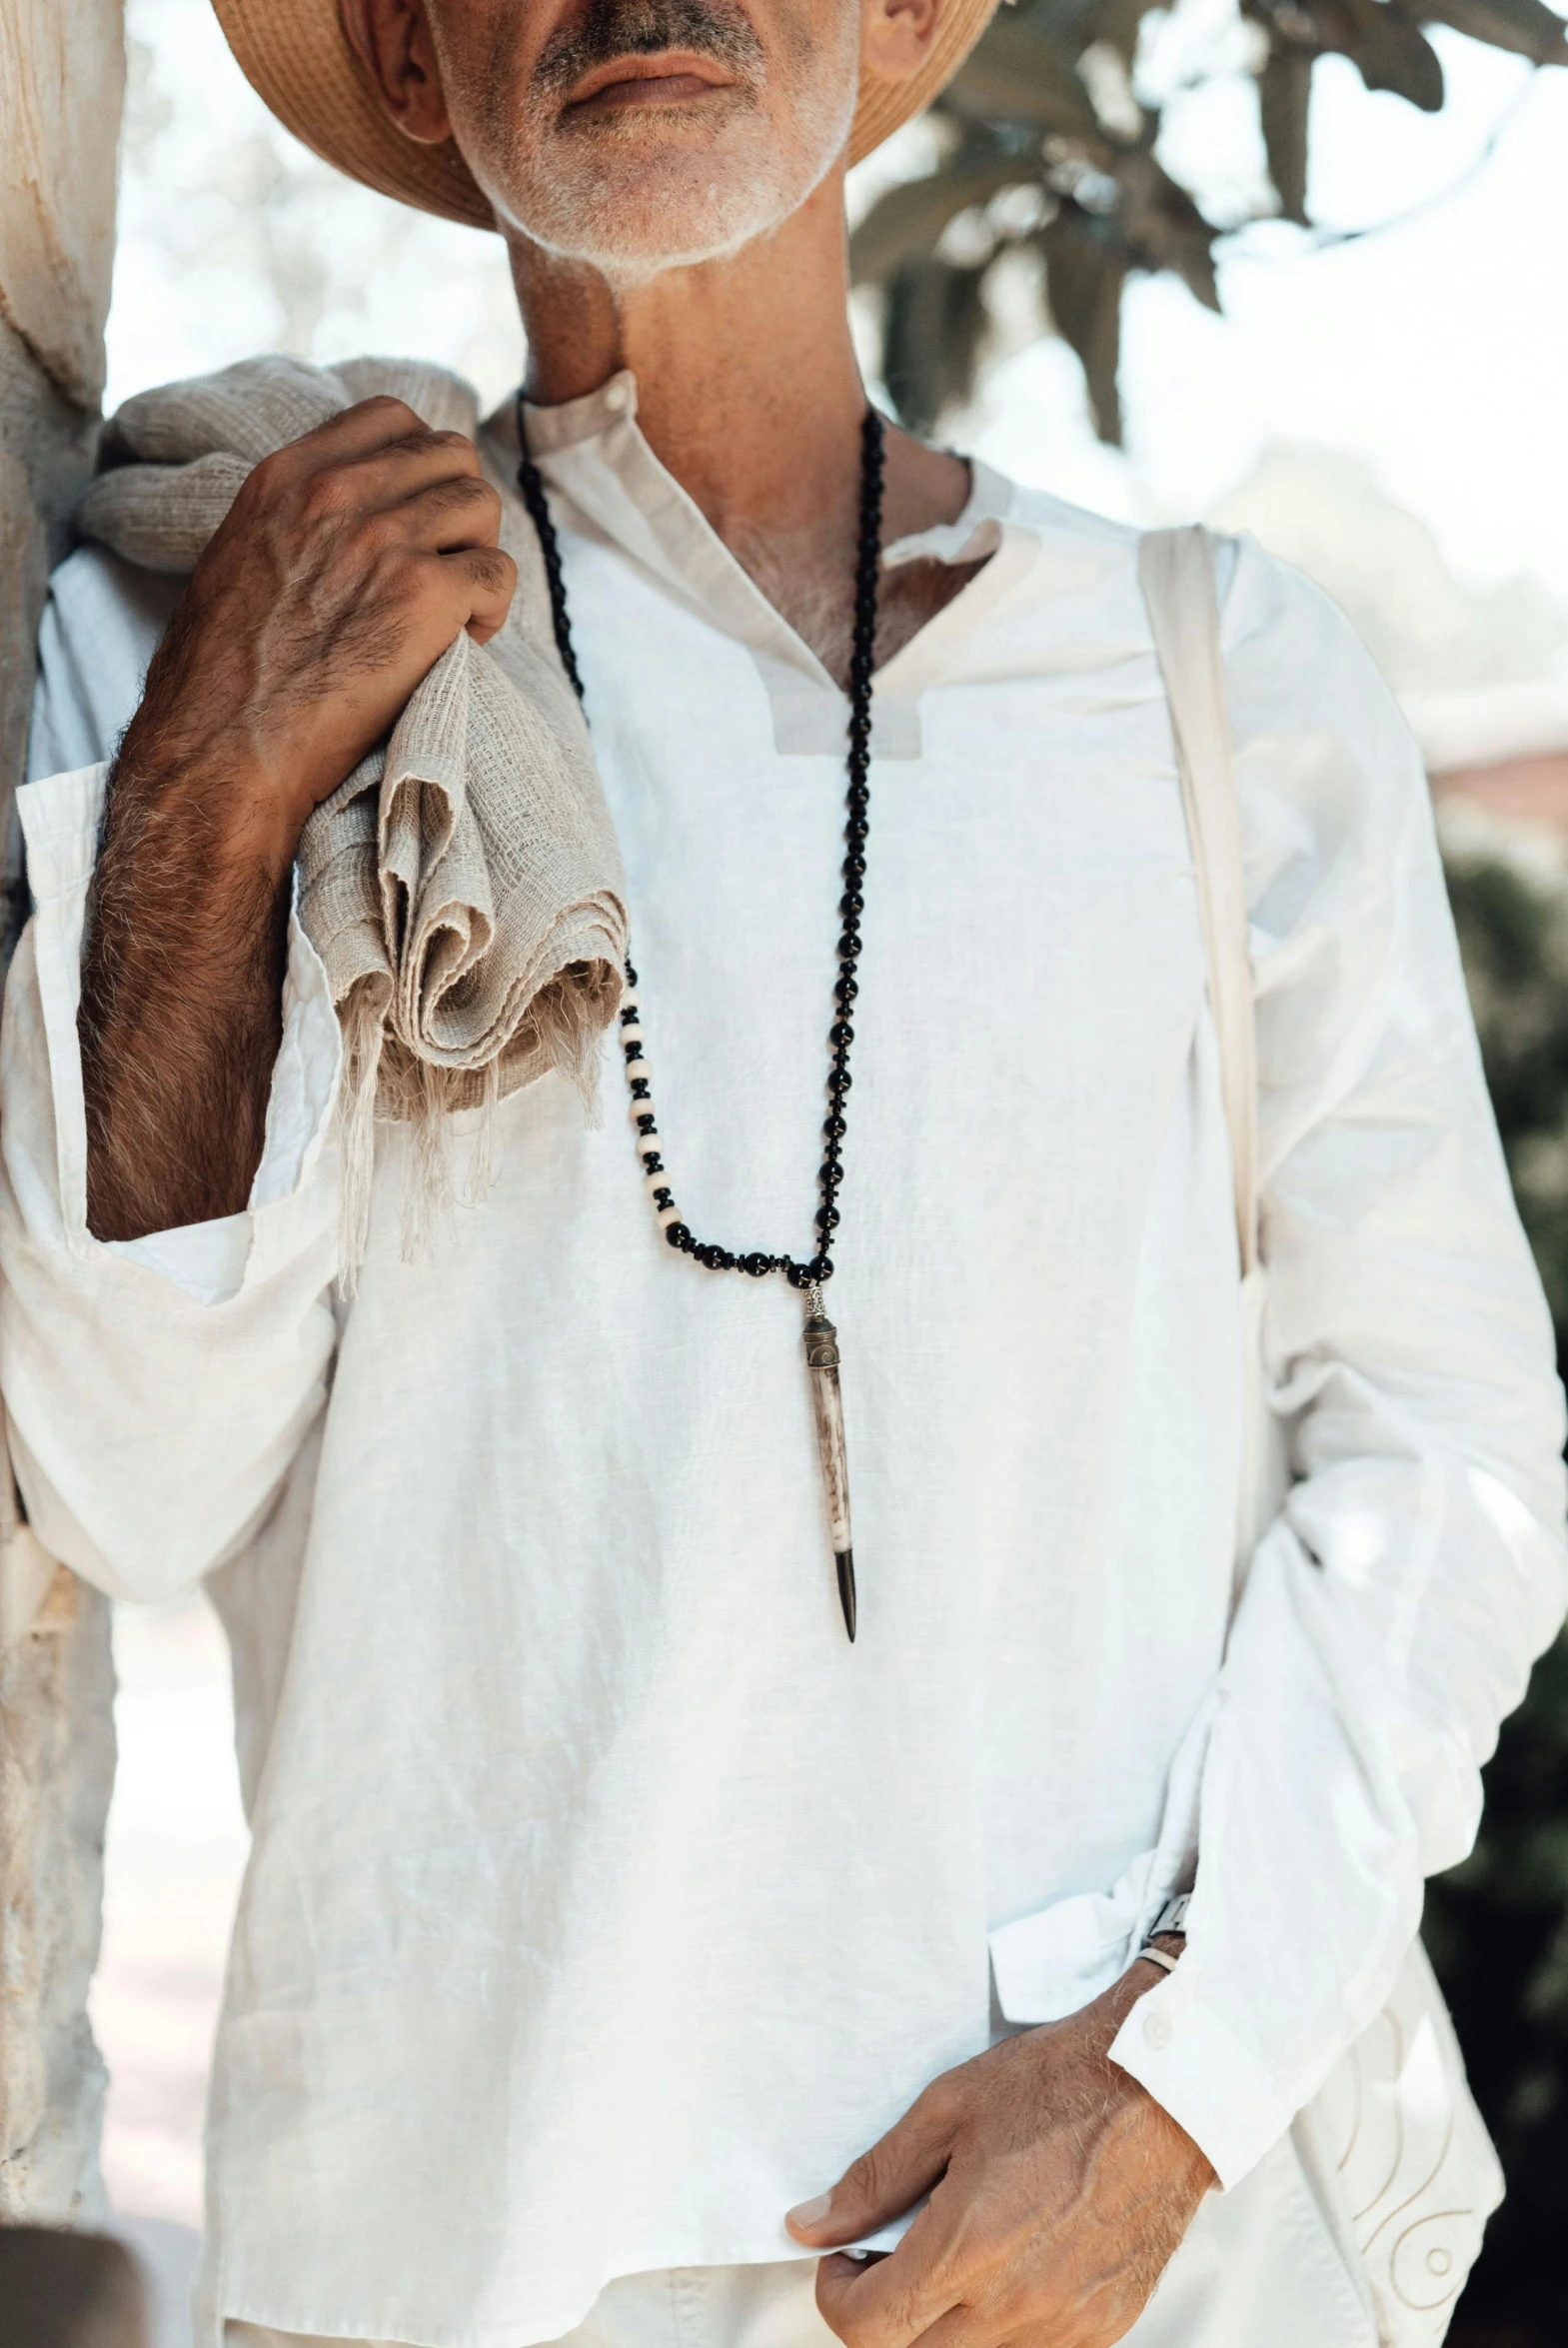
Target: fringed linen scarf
point(463, 888)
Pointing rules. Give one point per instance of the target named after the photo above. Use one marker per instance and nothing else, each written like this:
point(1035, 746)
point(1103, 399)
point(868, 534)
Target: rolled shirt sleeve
point(1392, 1613)
point(157, 1389)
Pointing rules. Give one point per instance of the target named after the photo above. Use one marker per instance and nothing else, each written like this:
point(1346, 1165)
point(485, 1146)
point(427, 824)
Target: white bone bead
point(647, 1144)
point(640, 1068)
point(656, 1182)
point(668, 1215)
point(639, 1109)
point(631, 1033)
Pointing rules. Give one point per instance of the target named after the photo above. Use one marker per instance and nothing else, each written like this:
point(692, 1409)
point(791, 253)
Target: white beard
point(688, 201)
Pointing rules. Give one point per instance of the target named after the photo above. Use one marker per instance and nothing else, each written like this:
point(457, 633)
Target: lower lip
point(664, 89)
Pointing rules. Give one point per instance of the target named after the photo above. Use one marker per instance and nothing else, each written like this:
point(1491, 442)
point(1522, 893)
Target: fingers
point(488, 579)
point(462, 512)
point(388, 478)
point(368, 459)
point(424, 491)
point(933, 2288)
point(361, 430)
point(886, 2182)
point(886, 2303)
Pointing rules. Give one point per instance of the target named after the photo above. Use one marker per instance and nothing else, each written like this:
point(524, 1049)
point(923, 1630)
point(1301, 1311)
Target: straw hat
point(296, 54)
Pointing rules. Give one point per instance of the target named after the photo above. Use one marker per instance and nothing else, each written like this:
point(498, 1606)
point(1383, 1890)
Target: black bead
point(850, 946)
point(835, 1125)
point(639, 1089)
point(653, 1162)
point(678, 1235)
point(633, 1051)
point(840, 1034)
point(846, 991)
point(827, 1218)
point(628, 1014)
point(839, 1083)
point(756, 1265)
point(663, 1197)
point(645, 1124)
point(855, 866)
point(631, 974)
point(850, 902)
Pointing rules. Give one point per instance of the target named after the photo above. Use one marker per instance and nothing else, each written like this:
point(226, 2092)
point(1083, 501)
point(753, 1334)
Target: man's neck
point(749, 394)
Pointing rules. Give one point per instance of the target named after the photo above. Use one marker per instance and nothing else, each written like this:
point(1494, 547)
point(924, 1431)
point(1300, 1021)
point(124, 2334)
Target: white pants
point(1260, 2268)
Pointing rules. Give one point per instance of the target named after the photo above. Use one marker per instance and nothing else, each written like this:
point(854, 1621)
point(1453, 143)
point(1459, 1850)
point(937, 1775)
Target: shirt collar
point(592, 454)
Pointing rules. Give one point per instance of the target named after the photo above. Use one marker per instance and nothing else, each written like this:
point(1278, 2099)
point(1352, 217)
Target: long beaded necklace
point(811, 1277)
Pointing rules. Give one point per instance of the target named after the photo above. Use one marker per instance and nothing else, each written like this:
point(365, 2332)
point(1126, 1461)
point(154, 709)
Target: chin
point(632, 196)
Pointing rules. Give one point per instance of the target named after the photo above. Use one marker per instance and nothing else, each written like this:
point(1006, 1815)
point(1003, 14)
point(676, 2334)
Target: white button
point(1157, 2030)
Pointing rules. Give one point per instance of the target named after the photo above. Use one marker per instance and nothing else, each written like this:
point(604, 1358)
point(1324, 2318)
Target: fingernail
point(812, 2213)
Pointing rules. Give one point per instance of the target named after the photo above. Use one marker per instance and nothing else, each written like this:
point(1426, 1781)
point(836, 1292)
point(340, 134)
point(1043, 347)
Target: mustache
point(611, 29)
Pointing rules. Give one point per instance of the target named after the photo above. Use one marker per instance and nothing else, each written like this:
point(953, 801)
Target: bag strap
point(1177, 574)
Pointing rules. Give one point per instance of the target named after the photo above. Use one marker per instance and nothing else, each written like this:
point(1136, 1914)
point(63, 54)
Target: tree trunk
point(62, 72)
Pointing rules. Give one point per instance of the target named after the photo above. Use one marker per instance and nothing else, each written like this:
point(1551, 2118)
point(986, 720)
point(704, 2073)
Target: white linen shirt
point(604, 1900)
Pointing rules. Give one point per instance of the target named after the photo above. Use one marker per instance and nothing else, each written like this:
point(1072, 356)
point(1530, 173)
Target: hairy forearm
point(180, 1014)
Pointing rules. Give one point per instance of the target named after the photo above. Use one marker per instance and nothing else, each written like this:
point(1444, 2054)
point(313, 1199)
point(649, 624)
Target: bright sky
point(1436, 351)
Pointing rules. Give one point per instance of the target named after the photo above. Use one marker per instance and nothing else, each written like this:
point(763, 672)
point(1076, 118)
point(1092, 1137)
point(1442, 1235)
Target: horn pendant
point(822, 1363)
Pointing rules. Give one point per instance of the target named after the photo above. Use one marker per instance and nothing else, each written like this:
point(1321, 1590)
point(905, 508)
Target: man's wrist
point(231, 818)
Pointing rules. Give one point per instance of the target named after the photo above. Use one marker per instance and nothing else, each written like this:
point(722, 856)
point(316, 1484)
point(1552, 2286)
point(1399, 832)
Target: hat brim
point(297, 58)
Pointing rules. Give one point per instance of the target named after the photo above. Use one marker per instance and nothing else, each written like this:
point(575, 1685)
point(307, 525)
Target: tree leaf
point(1391, 52)
point(1380, 37)
point(906, 223)
point(1161, 227)
point(1285, 94)
point(931, 338)
point(1084, 276)
point(1524, 26)
point(1019, 74)
point(1118, 21)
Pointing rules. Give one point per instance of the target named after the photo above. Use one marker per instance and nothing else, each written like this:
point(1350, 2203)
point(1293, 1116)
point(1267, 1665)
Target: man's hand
point(346, 566)
point(1058, 2190)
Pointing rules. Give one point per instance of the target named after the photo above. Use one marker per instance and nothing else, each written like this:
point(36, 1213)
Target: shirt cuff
point(62, 818)
point(1176, 2046)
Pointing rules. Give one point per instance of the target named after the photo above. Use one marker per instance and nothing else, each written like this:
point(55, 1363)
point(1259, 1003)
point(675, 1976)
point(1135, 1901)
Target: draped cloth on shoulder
point(463, 888)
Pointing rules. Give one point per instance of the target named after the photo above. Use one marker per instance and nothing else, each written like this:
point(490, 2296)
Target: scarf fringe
point(364, 1026)
point(389, 1088)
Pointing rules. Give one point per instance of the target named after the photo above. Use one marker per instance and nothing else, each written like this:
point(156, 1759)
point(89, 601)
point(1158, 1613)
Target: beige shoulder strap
point(1176, 573)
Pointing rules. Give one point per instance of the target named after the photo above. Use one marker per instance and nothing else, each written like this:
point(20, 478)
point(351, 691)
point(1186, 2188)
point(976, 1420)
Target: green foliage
point(1497, 1927)
point(1051, 156)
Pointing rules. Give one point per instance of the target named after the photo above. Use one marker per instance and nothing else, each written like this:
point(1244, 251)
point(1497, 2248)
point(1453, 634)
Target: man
point(607, 1904)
